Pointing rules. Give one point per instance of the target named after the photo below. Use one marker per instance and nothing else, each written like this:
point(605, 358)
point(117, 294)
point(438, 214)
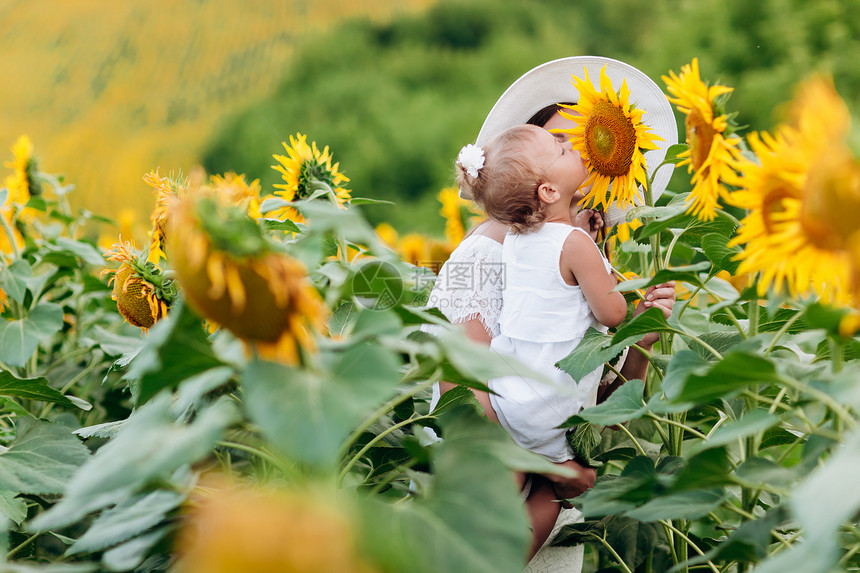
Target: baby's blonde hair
point(507, 185)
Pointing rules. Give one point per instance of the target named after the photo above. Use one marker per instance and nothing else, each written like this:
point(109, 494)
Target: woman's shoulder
point(482, 243)
point(489, 229)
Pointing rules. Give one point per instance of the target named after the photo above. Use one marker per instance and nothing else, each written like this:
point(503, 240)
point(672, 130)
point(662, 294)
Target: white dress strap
point(606, 263)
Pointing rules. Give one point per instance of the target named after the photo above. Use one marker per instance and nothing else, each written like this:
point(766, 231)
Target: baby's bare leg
point(482, 397)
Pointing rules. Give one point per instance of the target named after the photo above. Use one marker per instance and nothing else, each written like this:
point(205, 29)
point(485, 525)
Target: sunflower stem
point(11, 235)
point(376, 440)
point(781, 332)
point(835, 354)
point(688, 543)
point(341, 247)
point(822, 396)
point(633, 439)
point(753, 315)
point(676, 421)
point(656, 255)
point(614, 553)
point(381, 411)
point(677, 424)
point(655, 238)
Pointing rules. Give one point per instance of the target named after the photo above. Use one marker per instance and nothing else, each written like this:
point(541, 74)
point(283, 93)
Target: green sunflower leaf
point(177, 348)
point(686, 273)
point(592, 352)
point(19, 338)
point(472, 509)
point(42, 458)
point(149, 448)
point(673, 152)
point(622, 405)
point(308, 415)
point(31, 389)
point(684, 505)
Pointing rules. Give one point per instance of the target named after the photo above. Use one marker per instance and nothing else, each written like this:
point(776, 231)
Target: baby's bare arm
point(582, 259)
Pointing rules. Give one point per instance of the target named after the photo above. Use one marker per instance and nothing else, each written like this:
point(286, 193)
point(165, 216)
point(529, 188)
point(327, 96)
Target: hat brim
point(551, 83)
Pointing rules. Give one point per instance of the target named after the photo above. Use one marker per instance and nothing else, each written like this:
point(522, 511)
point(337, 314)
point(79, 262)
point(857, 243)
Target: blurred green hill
point(108, 91)
point(395, 101)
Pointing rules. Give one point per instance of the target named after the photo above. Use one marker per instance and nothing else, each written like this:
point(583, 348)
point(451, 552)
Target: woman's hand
point(661, 296)
point(589, 220)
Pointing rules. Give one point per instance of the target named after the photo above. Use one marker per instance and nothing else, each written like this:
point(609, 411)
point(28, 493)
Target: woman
point(533, 98)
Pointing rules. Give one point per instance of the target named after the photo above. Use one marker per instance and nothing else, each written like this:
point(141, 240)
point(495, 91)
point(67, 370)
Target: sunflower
point(712, 153)
point(439, 252)
point(414, 248)
point(4, 300)
point(165, 188)
point(238, 192)
point(818, 112)
point(452, 211)
point(611, 137)
point(776, 244)
point(625, 230)
point(830, 212)
point(850, 323)
point(307, 171)
point(804, 201)
point(268, 531)
point(22, 184)
point(141, 291)
point(233, 275)
point(831, 205)
point(388, 234)
point(11, 240)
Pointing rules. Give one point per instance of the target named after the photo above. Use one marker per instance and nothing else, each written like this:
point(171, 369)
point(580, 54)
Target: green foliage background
point(396, 101)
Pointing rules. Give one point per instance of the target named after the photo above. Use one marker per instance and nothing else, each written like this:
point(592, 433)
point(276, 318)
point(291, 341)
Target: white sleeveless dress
point(461, 299)
point(542, 320)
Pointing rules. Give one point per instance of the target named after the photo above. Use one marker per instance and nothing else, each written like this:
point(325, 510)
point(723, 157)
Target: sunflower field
point(249, 391)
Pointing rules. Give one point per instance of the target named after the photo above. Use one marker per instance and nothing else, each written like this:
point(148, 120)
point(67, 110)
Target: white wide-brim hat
point(551, 83)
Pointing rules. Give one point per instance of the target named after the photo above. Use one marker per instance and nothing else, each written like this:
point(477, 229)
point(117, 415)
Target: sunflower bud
point(713, 152)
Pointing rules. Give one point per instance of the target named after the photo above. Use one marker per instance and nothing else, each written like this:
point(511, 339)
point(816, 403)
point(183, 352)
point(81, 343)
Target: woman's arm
point(661, 296)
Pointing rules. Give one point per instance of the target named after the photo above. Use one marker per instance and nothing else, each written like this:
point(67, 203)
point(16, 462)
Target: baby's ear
point(548, 194)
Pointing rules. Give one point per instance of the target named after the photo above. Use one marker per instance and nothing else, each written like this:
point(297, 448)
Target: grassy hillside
point(109, 90)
